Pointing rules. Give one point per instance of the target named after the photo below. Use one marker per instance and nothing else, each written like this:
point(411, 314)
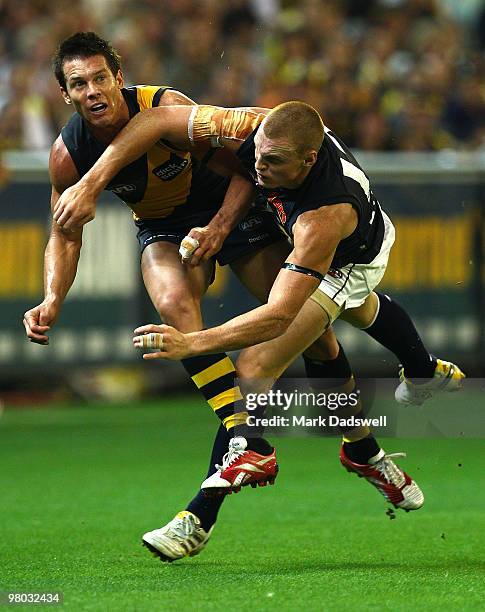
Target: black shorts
point(256, 230)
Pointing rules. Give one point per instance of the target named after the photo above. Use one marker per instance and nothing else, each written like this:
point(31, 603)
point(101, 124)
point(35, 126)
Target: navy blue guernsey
point(335, 178)
point(158, 182)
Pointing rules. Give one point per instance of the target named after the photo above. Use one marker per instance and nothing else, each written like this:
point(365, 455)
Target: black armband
point(302, 270)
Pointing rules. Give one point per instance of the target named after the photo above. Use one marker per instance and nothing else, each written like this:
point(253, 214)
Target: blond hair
point(298, 122)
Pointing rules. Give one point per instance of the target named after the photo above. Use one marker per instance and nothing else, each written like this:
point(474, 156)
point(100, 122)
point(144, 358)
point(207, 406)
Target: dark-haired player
point(170, 193)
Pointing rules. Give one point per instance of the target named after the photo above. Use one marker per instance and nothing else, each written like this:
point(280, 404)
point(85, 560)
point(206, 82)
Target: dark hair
point(83, 44)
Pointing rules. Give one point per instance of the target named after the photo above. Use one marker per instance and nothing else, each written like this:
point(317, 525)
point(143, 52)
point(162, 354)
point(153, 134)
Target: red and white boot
point(241, 467)
point(388, 478)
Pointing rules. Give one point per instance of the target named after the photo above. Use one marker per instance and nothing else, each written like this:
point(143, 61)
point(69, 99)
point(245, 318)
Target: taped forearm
point(213, 124)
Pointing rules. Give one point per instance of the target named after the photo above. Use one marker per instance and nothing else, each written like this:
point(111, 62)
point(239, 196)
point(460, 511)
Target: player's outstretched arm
point(180, 125)
point(135, 139)
point(61, 255)
point(316, 236)
point(287, 297)
point(177, 124)
point(224, 127)
point(77, 206)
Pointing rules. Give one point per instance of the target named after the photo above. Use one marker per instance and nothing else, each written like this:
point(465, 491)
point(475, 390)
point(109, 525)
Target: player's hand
point(210, 239)
point(75, 207)
point(169, 342)
point(38, 321)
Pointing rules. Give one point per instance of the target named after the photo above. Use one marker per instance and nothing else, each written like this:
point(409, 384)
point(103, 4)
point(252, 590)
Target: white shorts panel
point(349, 286)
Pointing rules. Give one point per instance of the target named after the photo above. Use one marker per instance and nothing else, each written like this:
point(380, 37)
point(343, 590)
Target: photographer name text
point(320, 421)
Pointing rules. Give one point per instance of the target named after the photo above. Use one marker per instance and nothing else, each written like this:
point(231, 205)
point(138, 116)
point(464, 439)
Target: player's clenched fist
point(37, 322)
point(168, 342)
point(202, 243)
point(75, 207)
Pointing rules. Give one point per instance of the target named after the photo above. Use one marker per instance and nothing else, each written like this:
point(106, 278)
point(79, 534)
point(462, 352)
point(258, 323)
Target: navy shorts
point(256, 230)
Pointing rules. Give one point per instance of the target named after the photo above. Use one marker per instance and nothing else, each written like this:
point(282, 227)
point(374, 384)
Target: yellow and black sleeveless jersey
point(157, 183)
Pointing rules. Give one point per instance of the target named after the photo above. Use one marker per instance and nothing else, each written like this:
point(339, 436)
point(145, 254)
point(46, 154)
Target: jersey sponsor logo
point(335, 273)
point(275, 201)
point(171, 168)
point(120, 189)
point(258, 238)
point(249, 224)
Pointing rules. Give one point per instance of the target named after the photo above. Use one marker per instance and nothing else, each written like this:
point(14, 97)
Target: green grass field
point(79, 485)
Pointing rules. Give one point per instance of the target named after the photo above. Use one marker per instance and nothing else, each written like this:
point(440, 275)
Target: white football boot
point(182, 537)
point(447, 377)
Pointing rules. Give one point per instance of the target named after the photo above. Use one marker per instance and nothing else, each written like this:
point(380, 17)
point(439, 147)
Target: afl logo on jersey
point(275, 201)
point(250, 223)
point(171, 168)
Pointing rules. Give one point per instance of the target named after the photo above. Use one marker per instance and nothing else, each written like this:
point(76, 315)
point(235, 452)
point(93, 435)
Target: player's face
point(94, 91)
point(277, 163)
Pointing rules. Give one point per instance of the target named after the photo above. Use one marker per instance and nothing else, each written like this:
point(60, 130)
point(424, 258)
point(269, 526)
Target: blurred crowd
point(385, 74)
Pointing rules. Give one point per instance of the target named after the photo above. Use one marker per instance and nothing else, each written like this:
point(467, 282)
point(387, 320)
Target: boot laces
point(229, 458)
point(391, 472)
point(183, 527)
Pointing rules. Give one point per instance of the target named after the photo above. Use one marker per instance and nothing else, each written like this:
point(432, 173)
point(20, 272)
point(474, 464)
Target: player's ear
point(65, 95)
point(120, 79)
point(310, 158)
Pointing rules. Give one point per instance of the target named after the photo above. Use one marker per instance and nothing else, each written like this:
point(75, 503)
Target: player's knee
point(363, 316)
point(325, 348)
point(255, 369)
point(178, 308)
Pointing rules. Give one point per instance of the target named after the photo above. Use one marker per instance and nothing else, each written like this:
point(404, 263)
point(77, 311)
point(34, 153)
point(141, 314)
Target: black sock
point(259, 445)
point(332, 373)
point(362, 450)
point(207, 508)
point(394, 330)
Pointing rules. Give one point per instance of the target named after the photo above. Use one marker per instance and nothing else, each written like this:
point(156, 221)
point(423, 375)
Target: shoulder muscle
point(62, 171)
point(338, 220)
point(173, 97)
point(317, 233)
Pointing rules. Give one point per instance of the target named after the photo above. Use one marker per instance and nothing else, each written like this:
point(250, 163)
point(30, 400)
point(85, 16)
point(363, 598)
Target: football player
point(341, 242)
point(169, 192)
